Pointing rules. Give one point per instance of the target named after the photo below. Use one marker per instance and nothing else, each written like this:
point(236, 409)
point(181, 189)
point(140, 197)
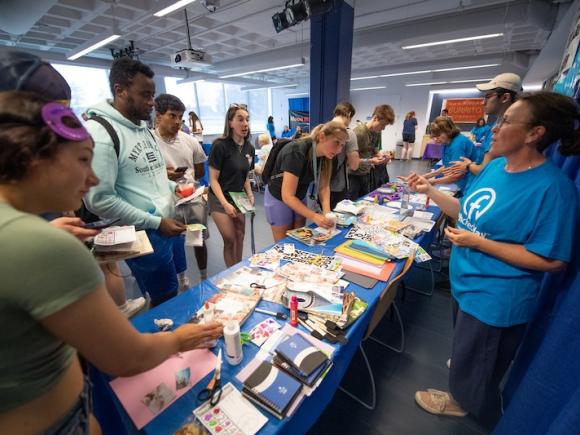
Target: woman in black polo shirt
point(298, 164)
point(230, 159)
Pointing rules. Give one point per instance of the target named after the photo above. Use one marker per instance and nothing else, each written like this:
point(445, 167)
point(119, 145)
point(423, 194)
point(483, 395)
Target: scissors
point(213, 391)
point(256, 285)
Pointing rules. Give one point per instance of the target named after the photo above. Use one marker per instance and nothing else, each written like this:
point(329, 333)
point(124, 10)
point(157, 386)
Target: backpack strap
point(112, 133)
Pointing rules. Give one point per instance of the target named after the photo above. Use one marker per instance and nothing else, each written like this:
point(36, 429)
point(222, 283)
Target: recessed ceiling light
point(368, 89)
point(466, 67)
point(294, 65)
point(364, 78)
point(452, 41)
point(173, 7)
point(425, 84)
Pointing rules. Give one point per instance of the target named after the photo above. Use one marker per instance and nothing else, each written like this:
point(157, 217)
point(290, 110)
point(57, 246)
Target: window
point(185, 92)
point(259, 110)
point(234, 94)
point(84, 96)
point(212, 109)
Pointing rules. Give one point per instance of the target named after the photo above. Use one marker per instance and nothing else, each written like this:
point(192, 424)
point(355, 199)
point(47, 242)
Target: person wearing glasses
point(300, 163)
point(500, 94)
point(231, 158)
point(368, 136)
point(53, 298)
point(515, 222)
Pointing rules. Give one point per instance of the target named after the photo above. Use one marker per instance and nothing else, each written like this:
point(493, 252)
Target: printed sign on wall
point(465, 110)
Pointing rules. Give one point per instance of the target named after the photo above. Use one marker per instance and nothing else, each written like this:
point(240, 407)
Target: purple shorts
point(278, 213)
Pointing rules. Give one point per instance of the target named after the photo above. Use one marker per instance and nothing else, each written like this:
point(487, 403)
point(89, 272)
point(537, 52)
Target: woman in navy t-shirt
point(409, 127)
point(515, 222)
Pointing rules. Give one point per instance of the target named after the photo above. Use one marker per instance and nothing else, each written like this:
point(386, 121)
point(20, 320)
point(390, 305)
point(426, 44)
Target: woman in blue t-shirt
point(480, 131)
point(515, 222)
point(455, 145)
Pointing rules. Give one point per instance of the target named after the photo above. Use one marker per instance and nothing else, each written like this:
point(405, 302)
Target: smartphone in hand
point(103, 223)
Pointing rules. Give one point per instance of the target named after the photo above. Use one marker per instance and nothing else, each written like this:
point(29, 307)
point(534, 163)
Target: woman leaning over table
point(298, 164)
point(52, 297)
point(515, 222)
point(230, 160)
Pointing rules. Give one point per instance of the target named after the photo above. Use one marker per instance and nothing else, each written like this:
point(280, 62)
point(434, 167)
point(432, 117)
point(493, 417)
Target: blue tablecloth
point(114, 419)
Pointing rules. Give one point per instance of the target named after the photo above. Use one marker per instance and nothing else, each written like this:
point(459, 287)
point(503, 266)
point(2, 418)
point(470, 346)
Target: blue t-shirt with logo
point(485, 145)
point(535, 208)
point(460, 146)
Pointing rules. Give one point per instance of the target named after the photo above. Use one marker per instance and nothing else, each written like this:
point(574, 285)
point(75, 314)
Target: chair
point(439, 226)
point(386, 300)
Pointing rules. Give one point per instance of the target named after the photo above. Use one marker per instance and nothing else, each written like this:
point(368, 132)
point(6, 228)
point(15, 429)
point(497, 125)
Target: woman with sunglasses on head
point(515, 222)
point(298, 164)
point(230, 160)
point(52, 297)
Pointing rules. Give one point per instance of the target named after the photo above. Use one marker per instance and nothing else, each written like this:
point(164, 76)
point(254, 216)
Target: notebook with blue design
point(301, 354)
point(272, 388)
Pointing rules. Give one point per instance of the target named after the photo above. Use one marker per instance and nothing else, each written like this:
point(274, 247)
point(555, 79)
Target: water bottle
point(404, 202)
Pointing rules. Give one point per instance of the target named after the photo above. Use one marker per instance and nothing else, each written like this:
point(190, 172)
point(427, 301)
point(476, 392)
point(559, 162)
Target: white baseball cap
point(509, 81)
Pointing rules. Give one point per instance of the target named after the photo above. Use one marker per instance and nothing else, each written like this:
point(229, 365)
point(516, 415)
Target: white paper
point(423, 215)
point(245, 415)
point(116, 236)
point(423, 224)
point(198, 192)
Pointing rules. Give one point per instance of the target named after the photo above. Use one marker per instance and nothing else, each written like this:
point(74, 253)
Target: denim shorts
point(156, 273)
point(278, 213)
point(76, 420)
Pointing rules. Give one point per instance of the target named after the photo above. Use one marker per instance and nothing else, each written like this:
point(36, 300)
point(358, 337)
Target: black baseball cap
point(22, 71)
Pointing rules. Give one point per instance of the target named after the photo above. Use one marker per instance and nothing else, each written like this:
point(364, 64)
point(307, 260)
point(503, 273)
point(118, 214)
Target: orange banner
point(465, 110)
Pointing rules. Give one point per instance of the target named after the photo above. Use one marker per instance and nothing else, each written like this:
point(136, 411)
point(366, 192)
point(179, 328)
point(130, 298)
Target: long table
point(114, 419)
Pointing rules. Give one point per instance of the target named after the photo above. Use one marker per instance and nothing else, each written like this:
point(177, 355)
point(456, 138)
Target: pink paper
point(131, 391)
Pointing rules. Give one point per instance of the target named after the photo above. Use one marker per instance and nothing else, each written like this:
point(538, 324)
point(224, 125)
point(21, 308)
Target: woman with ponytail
point(515, 222)
point(298, 164)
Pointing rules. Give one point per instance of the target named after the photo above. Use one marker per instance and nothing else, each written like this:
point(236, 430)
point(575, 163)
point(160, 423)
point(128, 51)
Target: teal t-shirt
point(43, 270)
point(460, 146)
point(536, 208)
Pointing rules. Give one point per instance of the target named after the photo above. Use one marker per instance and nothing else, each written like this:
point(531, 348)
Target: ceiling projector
point(190, 58)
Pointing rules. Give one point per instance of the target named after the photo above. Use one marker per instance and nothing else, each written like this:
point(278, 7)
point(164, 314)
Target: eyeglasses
point(501, 121)
point(238, 106)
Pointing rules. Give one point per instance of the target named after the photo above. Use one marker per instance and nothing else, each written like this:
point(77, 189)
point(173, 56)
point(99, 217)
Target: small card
point(263, 330)
point(423, 214)
point(182, 378)
point(158, 399)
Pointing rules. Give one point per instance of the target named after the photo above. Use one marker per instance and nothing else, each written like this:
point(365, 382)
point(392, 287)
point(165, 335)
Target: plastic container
point(234, 352)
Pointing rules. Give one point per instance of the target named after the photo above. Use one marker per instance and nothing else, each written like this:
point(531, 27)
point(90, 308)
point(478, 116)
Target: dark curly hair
point(24, 137)
point(124, 70)
point(559, 115)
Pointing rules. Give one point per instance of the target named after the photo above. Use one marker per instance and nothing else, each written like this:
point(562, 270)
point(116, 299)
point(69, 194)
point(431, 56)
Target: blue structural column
point(330, 61)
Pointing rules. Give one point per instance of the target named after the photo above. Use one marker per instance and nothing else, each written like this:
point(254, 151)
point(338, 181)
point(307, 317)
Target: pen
point(280, 316)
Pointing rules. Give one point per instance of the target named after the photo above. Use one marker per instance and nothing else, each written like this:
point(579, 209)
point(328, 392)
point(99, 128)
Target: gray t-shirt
point(338, 182)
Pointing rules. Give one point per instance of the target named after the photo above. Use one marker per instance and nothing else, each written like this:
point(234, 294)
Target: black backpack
point(271, 161)
point(83, 212)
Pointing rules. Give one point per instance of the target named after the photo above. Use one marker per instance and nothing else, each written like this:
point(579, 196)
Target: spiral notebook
point(301, 354)
point(272, 389)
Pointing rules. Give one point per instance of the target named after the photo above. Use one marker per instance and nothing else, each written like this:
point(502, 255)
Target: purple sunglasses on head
point(53, 115)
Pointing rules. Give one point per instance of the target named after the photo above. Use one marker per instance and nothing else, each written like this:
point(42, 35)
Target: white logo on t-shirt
point(479, 202)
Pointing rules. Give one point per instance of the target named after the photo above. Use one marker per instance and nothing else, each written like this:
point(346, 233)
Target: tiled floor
point(428, 331)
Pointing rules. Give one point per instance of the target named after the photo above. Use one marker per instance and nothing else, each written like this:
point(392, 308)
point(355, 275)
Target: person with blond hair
point(409, 127)
point(299, 163)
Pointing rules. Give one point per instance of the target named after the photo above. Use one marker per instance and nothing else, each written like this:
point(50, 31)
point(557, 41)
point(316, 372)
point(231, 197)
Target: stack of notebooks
point(277, 385)
point(365, 258)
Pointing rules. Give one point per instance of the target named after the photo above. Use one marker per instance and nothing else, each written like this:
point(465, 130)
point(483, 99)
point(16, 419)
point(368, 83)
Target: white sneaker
point(184, 284)
point(449, 363)
point(132, 306)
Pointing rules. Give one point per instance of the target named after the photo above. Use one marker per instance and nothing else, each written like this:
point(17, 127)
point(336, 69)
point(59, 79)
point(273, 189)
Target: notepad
point(272, 389)
point(301, 354)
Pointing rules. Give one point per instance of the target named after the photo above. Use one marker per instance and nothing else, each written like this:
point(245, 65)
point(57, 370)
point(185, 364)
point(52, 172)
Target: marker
point(279, 316)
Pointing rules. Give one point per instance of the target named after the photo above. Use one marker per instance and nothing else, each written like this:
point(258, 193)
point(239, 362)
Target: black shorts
point(409, 138)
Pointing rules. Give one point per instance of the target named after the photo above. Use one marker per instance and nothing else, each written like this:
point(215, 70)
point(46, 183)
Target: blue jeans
point(156, 273)
point(76, 420)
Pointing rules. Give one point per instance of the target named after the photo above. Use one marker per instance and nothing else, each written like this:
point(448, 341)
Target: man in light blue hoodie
point(134, 185)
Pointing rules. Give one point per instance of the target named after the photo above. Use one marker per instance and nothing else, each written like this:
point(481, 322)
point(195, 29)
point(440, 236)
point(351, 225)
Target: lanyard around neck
point(315, 173)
